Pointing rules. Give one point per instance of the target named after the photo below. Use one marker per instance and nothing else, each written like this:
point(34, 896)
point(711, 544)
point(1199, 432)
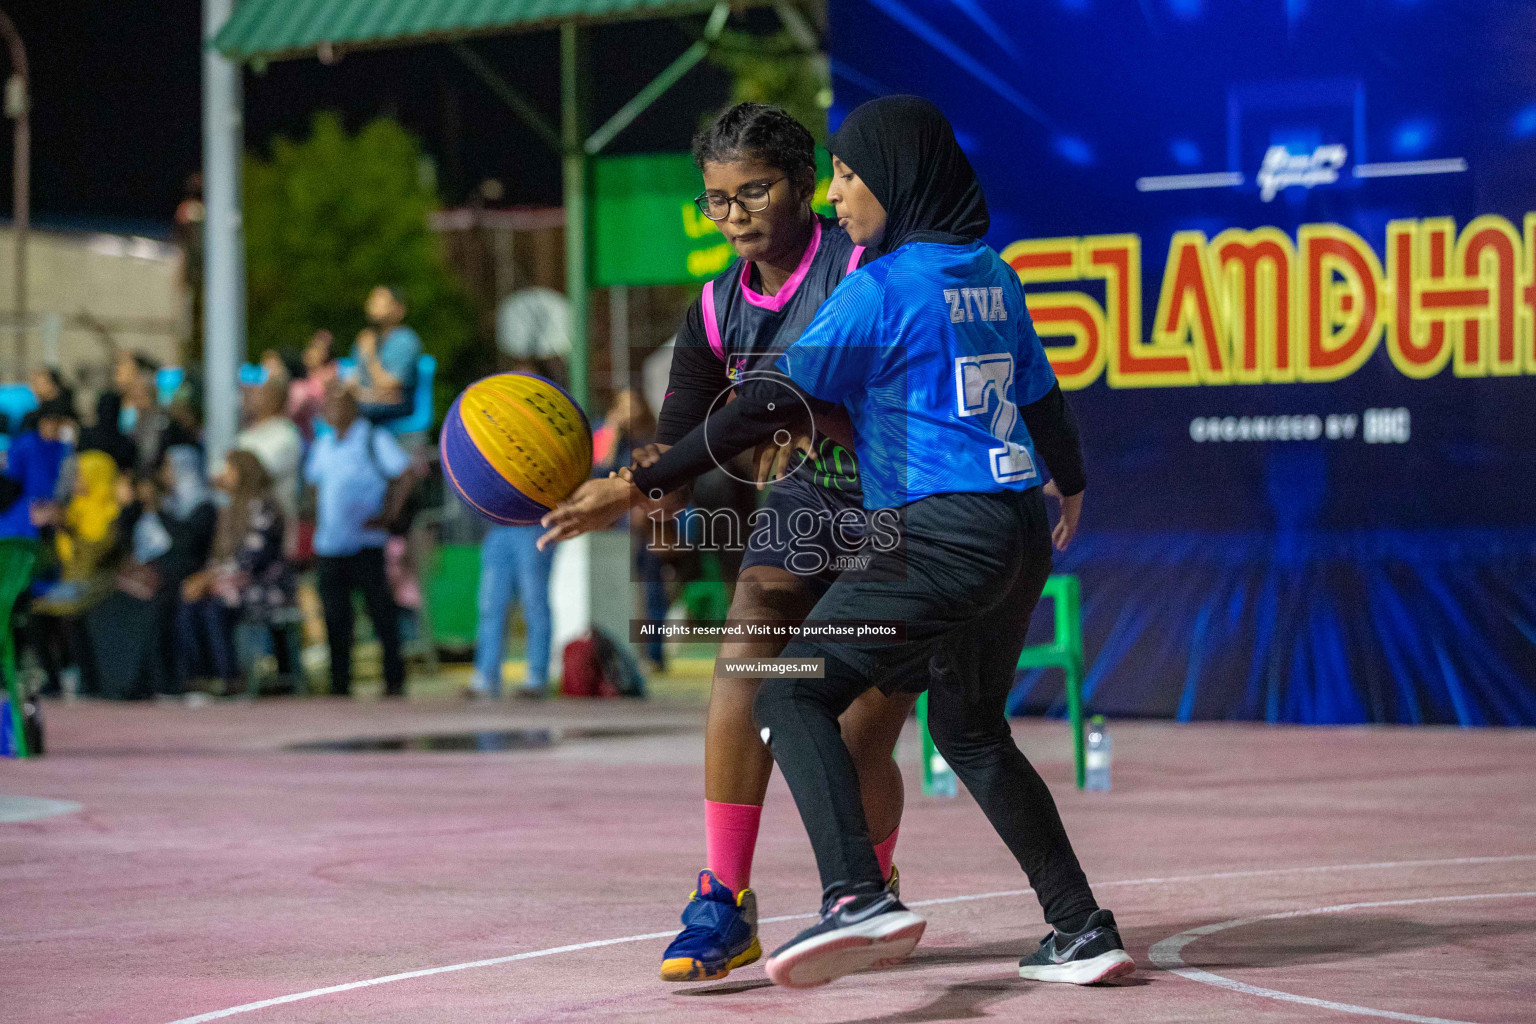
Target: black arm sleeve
point(1053, 428)
point(696, 379)
point(761, 408)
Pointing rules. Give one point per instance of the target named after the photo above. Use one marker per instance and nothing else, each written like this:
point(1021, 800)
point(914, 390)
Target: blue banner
point(1284, 256)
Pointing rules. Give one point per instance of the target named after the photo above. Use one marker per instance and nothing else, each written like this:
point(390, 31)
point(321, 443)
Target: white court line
point(1454, 165)
point(1167, 955)
point(552, 951)
point(30, 808)
point(1171, 182)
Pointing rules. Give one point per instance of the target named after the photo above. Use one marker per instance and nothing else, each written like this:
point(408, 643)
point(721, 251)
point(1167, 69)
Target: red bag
point(596, 666)
point(582, 674)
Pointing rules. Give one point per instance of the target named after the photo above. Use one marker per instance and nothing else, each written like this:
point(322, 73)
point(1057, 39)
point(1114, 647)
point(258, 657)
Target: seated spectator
point(140, 416)
point(184, 415)
point(84, 535)
point(132, 632)
point(362, 479)
point(88, 543)
point(273, 438)
point(107, 433)
point(307, 393)
point(386, 352)
point(33, 464)
point(246, 579)
point(187, 512)
point(48, 385)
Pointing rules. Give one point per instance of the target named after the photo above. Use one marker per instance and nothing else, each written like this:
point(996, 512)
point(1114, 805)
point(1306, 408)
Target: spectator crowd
point(160, 573)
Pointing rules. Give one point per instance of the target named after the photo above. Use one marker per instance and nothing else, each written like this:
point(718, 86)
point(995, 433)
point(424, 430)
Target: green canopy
point(274, 29)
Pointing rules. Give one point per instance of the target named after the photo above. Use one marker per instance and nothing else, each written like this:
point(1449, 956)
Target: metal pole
point(618, 336)
point(573, 81)
point(16, 104)
point(224, 248)
point(661, 83)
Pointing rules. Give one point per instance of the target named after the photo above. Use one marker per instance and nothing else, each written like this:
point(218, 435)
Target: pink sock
point(885, 852)
point(730, 838)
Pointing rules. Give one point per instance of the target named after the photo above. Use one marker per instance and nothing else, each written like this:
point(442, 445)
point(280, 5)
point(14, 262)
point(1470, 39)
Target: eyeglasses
point(752, 198)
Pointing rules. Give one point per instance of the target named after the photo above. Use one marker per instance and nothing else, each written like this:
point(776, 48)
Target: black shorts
point(809, 530)
point(964, 580)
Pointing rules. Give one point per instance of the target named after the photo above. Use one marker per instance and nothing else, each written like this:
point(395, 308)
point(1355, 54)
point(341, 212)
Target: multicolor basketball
point(514, 446)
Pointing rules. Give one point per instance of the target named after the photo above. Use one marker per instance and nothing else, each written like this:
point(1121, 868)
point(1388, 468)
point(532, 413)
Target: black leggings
point(338, 576)
point(970, 576)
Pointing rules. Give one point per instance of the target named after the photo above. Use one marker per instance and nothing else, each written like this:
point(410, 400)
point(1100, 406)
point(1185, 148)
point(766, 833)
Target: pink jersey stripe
point(787, 292)
point(853, 261)
point(711, 325)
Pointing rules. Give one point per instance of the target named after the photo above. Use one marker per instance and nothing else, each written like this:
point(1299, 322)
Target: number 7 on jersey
point(977, 378)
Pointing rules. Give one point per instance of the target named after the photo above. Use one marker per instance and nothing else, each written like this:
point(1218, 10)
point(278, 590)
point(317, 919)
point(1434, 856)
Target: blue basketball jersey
point(748, 331)
point(932, 351)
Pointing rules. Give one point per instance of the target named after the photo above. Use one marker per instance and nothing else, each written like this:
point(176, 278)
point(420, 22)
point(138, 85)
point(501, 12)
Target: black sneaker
point(1092, 955)
point(855, 933)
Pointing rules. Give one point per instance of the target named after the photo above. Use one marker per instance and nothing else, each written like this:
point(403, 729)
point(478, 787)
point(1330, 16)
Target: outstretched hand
point(596, 505)
point(649, 455)
point(771, 460)
point(1071, 511)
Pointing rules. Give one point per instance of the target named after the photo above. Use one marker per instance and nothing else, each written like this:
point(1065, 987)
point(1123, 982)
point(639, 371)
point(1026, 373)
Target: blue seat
point(420, 418)
point(168, 380)
point(16, 400)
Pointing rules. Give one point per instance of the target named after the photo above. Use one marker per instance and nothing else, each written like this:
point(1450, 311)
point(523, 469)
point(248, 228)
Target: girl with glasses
point(759, 170)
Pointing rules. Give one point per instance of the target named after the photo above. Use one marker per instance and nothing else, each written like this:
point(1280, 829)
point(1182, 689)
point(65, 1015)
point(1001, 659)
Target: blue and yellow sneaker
point(719, 934)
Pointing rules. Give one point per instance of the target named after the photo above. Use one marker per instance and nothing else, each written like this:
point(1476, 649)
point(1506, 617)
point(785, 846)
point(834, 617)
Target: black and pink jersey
point(733, 329)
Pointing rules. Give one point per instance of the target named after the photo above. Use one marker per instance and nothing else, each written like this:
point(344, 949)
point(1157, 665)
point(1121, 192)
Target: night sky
point(116, 104)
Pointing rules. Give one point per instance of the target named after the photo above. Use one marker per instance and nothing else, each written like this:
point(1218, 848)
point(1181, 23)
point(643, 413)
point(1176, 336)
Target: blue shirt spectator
point(351, 471)
point(34, 461)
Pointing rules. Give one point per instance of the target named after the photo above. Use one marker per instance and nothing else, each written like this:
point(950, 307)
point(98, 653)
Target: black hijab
point(905, 151)
point(106, 436)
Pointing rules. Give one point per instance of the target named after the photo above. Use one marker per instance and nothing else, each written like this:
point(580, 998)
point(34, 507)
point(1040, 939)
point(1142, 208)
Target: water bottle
point(941, 777)
point(1101, 750)
point(32, 725)
point(69, 683)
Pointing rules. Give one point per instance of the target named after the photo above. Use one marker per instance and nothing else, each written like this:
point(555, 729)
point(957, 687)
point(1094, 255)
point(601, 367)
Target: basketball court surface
point(531, 868)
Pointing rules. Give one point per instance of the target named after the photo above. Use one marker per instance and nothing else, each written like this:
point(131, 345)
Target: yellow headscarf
point(89, 516)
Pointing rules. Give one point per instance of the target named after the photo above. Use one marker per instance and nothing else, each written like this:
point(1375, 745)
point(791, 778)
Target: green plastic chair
point(1065, 652)
point(17, 557)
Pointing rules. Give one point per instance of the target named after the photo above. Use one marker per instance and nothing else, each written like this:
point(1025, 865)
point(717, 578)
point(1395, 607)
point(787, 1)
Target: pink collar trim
point(711, 322)
point(776, 302)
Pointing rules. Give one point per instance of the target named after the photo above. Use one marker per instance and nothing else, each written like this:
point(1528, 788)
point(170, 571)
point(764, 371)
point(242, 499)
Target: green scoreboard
point(645, 227)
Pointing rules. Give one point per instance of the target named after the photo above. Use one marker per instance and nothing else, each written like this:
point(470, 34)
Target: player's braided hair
point(760, 131)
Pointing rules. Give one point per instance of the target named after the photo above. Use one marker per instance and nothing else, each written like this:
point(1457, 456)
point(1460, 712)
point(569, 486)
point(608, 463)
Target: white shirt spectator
point(276, 441)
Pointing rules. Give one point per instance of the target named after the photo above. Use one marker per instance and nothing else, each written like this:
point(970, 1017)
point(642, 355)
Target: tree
point(330, 217)
point(775, 69)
